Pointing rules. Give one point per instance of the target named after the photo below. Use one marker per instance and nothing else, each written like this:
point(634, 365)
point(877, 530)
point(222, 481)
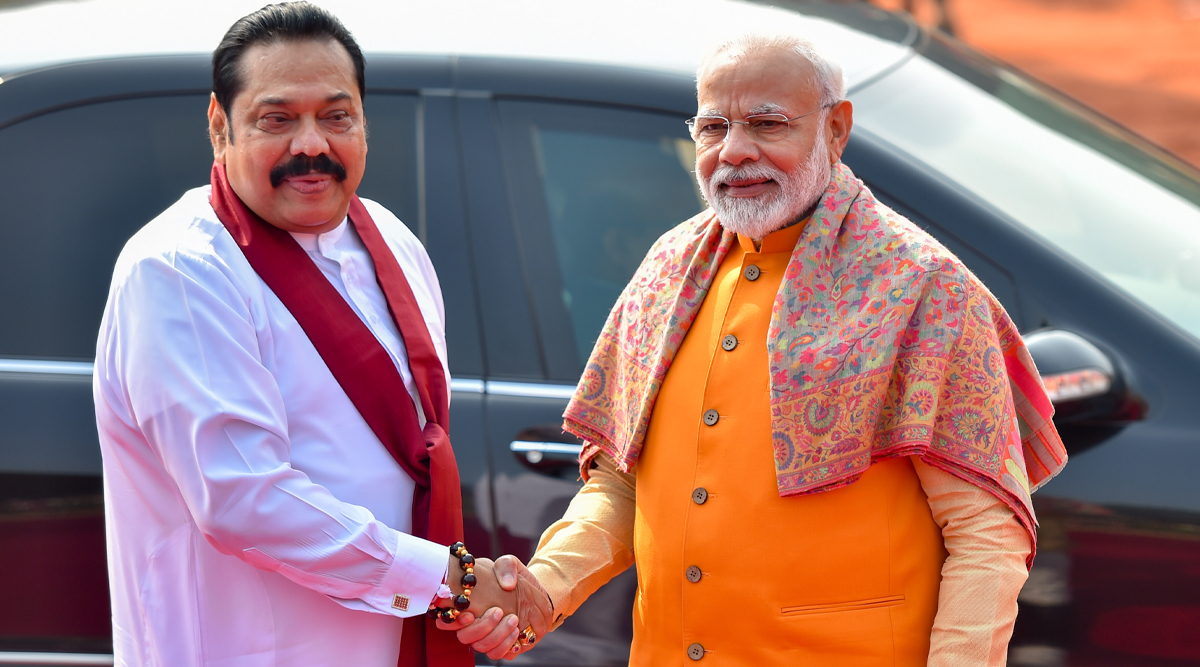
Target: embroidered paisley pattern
point(881, 344)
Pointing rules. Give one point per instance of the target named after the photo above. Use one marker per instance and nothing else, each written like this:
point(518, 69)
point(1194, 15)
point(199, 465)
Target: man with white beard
point(811, 428)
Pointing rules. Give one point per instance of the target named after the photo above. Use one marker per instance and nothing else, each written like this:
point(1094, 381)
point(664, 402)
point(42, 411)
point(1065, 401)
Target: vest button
point(693, 574)
point(711, 417)
point(696, 651)
point(729, 342)
point(700, 495)
point(752, 273)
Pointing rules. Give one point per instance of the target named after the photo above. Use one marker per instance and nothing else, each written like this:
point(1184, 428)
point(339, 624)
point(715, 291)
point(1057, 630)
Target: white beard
point(757, 217)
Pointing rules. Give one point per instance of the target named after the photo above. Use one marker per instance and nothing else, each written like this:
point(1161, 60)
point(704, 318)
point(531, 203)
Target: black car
point(537, 184)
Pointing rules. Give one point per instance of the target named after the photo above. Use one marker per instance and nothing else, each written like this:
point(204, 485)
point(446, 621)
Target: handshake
point(508, 609)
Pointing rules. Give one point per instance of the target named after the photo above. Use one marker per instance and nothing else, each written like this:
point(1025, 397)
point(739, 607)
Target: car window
point(592, 188)
point(74, 185)
point(1087, 187)
point(391, 175)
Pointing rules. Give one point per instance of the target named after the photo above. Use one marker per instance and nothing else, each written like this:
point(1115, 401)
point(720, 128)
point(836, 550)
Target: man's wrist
point(461, 598)
point(454, 576)
point(443, 591)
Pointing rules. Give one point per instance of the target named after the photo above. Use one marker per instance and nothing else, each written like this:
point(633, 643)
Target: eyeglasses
point(764, 127)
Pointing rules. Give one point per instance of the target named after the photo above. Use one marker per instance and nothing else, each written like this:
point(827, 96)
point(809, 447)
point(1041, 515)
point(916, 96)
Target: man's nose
point(309, 140)
point(739, 146)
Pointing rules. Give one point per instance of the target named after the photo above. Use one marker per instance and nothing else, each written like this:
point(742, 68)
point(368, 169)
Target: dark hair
point(286, 21)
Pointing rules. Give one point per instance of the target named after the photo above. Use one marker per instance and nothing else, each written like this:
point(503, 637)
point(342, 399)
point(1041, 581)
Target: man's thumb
point(506, 571)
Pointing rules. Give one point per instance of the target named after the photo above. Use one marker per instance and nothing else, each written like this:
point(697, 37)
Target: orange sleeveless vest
point(730, 573)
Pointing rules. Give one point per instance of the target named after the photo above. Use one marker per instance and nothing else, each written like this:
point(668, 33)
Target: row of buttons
point(693, 573)
point(729, 343)
point(700, 494)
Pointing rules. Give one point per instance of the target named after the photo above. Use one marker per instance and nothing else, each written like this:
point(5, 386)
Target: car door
point(586, 190)
point(74, 185)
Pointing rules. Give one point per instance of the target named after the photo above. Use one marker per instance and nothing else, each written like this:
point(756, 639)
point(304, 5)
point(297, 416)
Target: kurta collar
point(780, 240)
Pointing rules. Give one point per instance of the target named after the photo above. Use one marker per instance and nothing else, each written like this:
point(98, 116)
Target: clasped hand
point(507, 598)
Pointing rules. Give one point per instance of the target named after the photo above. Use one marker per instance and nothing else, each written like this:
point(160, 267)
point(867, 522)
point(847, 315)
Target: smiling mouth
point(746, 187)
point(309, 183)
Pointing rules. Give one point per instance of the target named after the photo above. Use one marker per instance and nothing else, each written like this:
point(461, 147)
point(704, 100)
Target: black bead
point(468, 580)
point(447, 615)
point(466, 560)
point(461, 602)
point(455, 547)
point(433, 613)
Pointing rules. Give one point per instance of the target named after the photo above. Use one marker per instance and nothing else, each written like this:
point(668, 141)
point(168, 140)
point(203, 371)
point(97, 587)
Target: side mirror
point(1083, 383)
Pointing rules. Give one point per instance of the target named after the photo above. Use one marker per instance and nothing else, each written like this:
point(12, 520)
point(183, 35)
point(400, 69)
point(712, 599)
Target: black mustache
point(302, 165)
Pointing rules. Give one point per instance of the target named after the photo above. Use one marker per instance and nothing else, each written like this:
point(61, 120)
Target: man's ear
point(218, 129)
point(837, 129)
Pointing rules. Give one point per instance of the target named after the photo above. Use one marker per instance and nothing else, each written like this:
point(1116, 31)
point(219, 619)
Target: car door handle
point(538, 452)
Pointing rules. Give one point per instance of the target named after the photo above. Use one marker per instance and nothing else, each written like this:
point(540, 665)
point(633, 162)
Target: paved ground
point(1137, 61)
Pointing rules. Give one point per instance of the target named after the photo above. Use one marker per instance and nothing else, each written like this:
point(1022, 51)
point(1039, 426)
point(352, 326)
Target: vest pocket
point(834, 607)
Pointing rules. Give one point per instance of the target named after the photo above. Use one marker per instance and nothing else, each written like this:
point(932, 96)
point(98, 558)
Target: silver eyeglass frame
point(691, 123)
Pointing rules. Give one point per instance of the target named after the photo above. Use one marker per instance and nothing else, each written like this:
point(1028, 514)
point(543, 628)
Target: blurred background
point(1136, 61)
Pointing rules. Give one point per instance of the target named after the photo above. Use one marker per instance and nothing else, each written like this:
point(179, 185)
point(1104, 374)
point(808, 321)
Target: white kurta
point(253, 518)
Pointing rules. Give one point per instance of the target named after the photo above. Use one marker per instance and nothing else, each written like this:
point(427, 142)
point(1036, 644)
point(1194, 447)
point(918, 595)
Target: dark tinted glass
point(594, 188)
point(74, 185)
point(391, 175)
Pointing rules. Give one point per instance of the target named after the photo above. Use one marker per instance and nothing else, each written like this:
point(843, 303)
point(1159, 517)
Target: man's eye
point(339, 120)
point(767, 124)
point(272, 122)
point(711, 127)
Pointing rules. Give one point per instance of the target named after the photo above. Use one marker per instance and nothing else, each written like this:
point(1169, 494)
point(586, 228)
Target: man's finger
point(464, 619)
point(487, 621)
point(500, 639)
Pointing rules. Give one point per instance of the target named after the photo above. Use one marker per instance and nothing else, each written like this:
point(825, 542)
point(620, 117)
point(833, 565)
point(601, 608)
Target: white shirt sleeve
point(183, 344)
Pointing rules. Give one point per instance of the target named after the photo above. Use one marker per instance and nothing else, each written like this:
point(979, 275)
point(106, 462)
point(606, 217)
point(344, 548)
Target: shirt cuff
point(412, 581)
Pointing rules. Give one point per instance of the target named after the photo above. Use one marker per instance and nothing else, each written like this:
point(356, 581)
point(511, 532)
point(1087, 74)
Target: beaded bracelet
point(461, 602)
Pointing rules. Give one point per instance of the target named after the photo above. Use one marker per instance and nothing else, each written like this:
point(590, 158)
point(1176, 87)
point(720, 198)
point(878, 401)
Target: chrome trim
point(544, 447)
point(41, 367)
point(467, 386)
point(530, 389)
point(9, 658)
point(464, 385)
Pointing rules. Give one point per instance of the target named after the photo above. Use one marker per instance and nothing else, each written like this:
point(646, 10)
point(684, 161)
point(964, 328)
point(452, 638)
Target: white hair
point(830, 83)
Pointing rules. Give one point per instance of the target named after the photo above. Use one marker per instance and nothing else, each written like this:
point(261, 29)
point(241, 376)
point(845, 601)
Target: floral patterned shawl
point(882, 344)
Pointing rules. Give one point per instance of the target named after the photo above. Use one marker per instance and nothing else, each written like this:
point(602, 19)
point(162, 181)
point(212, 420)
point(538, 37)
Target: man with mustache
point(272, 394)
point(809, 426)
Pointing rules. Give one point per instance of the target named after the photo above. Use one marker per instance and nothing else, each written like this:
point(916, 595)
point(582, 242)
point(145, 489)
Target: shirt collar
point(318, 242)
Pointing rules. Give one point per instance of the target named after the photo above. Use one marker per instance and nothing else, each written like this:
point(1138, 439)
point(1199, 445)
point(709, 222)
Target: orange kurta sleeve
point(977, 603)
point(591, 543)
